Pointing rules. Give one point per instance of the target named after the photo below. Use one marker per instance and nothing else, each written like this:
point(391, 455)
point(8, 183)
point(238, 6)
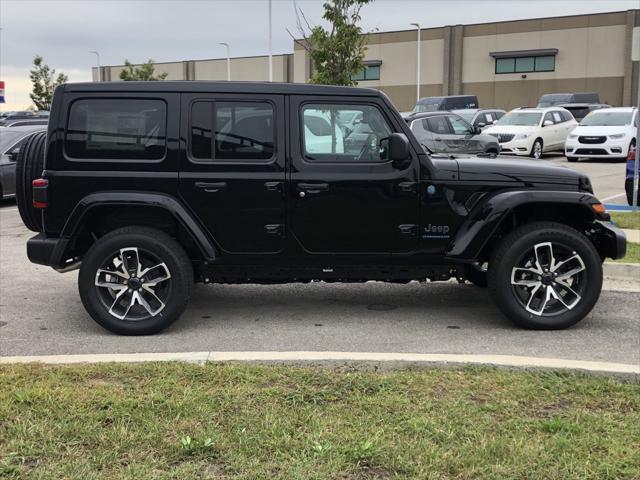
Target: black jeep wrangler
point(148, 187)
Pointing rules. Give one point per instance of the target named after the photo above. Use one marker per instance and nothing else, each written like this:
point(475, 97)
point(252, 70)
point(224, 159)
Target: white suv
point(532, 131)
point(607, 133)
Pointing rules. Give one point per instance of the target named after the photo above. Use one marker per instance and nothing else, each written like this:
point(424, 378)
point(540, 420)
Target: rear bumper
point(50, 251)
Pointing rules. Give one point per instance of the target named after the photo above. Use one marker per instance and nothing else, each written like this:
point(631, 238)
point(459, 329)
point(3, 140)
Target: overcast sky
point(171, 30)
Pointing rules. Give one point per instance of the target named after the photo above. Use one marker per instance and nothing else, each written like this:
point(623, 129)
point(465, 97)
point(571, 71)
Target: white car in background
point(607, 133)
point(533, 131)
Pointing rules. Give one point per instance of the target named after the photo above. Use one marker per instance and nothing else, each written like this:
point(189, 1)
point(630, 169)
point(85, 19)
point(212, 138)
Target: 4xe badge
point(436, 231)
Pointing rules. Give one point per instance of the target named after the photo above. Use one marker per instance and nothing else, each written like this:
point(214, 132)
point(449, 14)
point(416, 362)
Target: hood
point(509, 129)
point(515, 170)
point(598, 131)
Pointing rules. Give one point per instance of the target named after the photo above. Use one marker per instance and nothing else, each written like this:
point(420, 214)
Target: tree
point(335, 54)
point(44, 83)
point(143, 72)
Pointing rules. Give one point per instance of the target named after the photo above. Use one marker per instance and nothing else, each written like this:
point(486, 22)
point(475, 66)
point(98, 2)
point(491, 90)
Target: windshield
point(428, 105)
point(468, 116)
point(8, 137)
point(607, 119)
point(553, 99)
point(529, 119)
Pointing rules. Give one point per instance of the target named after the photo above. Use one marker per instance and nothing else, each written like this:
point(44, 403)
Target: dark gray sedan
point(446, 132)
point(11, 140)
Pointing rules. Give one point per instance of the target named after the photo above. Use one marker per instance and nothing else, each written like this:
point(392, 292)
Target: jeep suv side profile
point(148, 187)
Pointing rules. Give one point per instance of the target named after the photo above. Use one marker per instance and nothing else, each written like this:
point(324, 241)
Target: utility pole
point(270, 53)
point(228, 61)
point(99, 67)
point(417, 25)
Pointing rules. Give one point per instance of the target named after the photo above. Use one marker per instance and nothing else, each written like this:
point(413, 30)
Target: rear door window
point(438, 124)
point(116, 129)
point(232, 131)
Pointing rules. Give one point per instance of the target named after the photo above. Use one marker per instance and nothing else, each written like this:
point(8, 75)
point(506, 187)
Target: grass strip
point(183, 421)
point(627, 220)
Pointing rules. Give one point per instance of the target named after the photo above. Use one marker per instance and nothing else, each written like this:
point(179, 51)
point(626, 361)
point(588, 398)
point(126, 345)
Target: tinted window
point(460, 127)
point(118, 129)
point(549, 117)
point(328, 139)
point(243, 131)
point(438, 125)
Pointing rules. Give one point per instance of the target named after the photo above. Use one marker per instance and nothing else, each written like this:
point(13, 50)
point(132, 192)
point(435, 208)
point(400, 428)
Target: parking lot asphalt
point(41, 314)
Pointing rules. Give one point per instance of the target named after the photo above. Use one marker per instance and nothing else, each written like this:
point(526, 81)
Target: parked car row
point(11, 141)
point(23, 118)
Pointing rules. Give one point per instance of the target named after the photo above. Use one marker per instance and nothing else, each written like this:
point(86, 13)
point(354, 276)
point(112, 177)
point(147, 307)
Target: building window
point(369, 72)
point(545, 63)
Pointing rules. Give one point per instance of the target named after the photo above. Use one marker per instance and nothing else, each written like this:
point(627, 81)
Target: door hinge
point(274, 229)
point(408, 229)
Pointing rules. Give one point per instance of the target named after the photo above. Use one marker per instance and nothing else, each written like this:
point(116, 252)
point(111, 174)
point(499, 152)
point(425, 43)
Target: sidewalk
point(633, 236)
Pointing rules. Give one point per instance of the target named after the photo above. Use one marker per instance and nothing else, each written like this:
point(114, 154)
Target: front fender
point(485, 218)
point(140, 199)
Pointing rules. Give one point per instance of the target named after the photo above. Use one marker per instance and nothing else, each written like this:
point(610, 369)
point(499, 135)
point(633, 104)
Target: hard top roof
point(219, 87)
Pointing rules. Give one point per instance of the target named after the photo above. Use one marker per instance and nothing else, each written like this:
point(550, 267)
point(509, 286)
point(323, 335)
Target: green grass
point(627, 220)
point(181, 421)
point(633, 254)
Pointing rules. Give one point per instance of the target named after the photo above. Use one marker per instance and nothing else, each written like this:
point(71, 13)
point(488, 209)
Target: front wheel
point(545, 276)
point(135, 281)
point(536, 149)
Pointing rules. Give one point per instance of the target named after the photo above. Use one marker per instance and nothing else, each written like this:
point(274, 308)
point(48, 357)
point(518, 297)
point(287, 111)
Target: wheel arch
point(101, 212)
point(491, 220)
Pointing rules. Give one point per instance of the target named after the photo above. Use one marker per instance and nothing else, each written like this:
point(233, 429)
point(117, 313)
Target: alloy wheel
point(133, 284)
point(537, 150)
point(549, 279)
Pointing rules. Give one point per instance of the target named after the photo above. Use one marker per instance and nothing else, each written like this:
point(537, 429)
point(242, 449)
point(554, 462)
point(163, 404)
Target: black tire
point(533, 153)
point(153, 245)
point(572, 159)
point(511, 298)
point(29, 166)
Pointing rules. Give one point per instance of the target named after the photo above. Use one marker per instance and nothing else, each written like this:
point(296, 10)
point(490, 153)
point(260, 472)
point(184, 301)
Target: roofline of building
point(199, 60)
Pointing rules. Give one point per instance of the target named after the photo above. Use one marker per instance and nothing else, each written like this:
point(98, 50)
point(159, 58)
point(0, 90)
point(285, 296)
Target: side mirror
point(477, 130)
point(396, 146)
point(482, 125)
point(547, 123)
point(495, 121)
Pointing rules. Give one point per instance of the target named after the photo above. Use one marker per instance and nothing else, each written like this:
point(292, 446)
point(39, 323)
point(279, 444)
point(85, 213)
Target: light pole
point(635, 57)
point(228, 61)
point(270, 55)
point(98, 60)
point(417, 25)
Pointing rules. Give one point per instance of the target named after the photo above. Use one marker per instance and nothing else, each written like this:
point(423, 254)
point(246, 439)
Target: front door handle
point(273, 186)
point(407, 186)
point(211, 187)
point(407, 229)
point(313, 187)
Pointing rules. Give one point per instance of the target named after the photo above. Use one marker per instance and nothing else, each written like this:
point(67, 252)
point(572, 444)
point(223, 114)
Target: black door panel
point(238, 194)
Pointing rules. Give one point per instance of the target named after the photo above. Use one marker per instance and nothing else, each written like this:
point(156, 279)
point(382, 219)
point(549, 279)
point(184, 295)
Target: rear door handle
point(313, 187)
point(211, 187)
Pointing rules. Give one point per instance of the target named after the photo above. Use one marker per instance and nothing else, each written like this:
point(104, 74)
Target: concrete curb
point(622, 271)
point(341, 358)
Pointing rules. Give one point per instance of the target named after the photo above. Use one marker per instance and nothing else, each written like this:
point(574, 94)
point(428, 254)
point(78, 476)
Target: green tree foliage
point(337, 53)
point(44, 83)
point(146, 71)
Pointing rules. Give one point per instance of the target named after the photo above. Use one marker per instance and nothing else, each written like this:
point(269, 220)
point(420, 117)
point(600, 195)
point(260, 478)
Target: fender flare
point(140, 199)
point(485, 218)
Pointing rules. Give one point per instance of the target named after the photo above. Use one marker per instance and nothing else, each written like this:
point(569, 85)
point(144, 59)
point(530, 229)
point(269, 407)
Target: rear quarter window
point(116, 129)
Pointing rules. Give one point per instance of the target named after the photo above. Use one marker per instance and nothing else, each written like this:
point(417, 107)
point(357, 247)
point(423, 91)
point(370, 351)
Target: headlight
point(572, 137)
point(522, 136)
point(617, 136)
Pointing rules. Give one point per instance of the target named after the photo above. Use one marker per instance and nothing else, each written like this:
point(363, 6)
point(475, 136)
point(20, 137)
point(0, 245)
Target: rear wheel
point(545, 276)
point(29, 166)
point(536, 149)
point(135, 281)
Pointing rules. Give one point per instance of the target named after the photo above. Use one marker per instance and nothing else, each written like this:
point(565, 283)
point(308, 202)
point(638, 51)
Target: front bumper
point(517, 147)
point(610, 240)
point(50, 251)
point(609, 149)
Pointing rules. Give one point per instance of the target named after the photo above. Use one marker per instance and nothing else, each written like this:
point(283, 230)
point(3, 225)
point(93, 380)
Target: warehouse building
point(506, 64)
